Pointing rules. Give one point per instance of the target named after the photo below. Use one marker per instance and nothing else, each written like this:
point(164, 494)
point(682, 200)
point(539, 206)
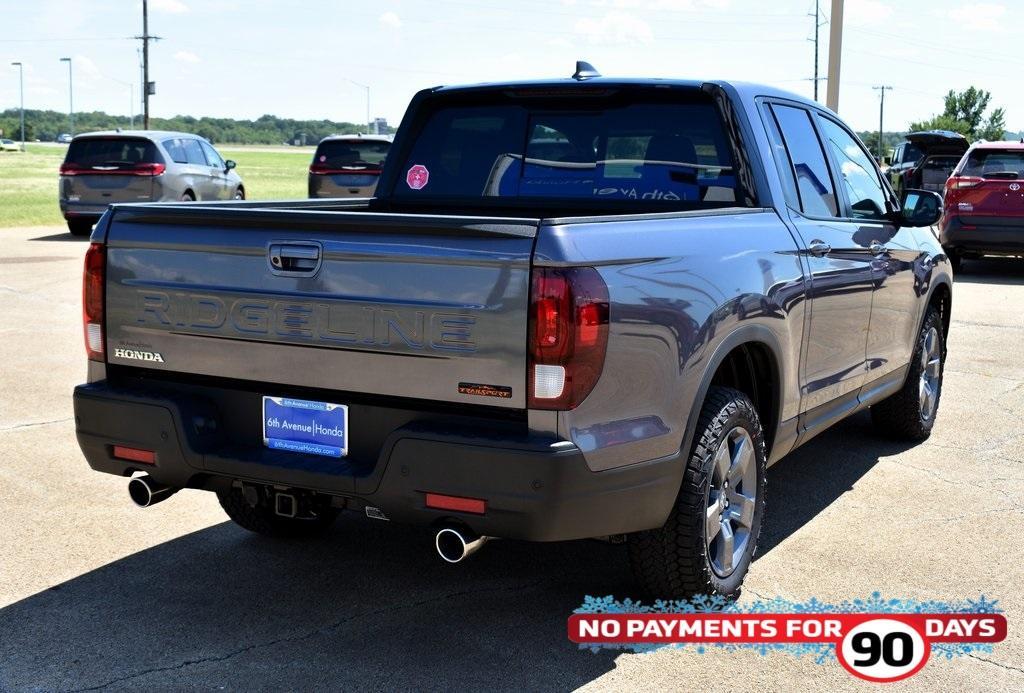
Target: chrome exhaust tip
point(145, 492)
point(454, 545)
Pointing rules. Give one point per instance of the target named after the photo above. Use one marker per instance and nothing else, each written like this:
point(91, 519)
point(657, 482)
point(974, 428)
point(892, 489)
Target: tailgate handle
point(300, 258)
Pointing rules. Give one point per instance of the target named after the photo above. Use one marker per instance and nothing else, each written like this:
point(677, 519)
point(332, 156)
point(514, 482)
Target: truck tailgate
point(417, 306)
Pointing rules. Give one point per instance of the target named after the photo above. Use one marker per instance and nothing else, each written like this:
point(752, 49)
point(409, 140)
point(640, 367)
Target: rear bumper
point(78, 210)
point(535, 489)
point(998, 236)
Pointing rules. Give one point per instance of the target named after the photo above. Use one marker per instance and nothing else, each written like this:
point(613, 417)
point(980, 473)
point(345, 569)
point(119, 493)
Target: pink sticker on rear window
point(417, 177)
point(323, 157)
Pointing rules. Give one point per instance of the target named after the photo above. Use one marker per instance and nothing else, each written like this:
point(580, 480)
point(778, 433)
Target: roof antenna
point(585, 70)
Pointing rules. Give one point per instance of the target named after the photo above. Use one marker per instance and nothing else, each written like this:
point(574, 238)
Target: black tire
point(240, 194)
point(79, 227)
point(261, 518)
point(676, 561)
point(902, 415)
point(187, 196)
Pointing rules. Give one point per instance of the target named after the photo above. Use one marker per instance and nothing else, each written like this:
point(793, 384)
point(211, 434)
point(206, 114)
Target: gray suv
point(140, 166)
point(347, 165)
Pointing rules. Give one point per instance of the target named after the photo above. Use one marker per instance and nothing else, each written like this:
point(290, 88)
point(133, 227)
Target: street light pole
point(21, 90)
point(367, 88)
point(71, 96)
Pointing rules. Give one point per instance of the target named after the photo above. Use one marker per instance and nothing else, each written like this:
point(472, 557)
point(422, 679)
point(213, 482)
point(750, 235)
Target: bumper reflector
point(440, 501)
point(134, 454)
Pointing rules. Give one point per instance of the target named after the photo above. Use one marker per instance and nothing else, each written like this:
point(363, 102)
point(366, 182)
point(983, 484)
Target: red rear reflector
point(134, 454)
point(440, 501)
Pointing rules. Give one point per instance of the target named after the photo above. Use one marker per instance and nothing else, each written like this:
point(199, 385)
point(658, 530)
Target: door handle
point(819, 248)
point(289, 257)
point(877, 248)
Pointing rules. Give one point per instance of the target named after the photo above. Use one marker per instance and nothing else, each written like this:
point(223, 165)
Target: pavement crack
point(35, 424)
point(304, 636)
point(995, 663)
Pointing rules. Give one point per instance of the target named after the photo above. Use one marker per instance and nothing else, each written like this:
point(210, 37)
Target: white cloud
point(984, 16)
point(866, 11)
point(85, 67)
point(186, 57)
point(390, 20)
point(169, 6)
point(615, 27)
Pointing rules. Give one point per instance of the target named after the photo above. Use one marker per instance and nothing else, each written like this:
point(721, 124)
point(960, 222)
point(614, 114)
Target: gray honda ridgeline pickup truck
point(587, 307)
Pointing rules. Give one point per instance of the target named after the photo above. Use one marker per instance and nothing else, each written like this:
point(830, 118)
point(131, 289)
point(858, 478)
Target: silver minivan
point(140, 166)
point(347, 165)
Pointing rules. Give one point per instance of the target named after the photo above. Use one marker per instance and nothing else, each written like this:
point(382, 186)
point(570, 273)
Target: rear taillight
point(148, 169)
point(67, 169)
point(92, 301)
point(325, 169)
point(961, 182)
point(568, 335)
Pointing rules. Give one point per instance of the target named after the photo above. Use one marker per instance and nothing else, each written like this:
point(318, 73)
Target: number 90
point(883, 650)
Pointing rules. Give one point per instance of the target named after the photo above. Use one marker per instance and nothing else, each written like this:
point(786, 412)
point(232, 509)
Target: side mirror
point(920, 208)
point(887, 160)
point(229, 164)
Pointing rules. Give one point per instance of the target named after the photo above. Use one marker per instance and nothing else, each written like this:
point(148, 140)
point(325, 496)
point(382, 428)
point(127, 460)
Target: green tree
point(964, 112)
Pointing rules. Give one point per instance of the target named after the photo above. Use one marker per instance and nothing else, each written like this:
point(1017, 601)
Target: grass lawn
point(28, 181)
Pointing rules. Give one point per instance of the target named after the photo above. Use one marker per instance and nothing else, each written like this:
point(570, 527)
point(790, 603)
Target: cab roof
point(745, 90)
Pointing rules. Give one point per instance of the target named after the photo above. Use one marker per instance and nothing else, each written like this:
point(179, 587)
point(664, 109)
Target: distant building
point(379, 126)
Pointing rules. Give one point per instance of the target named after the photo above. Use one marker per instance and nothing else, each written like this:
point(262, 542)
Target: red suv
point(984, 208)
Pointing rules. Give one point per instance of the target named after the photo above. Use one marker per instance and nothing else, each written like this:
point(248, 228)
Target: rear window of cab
point(665, 151)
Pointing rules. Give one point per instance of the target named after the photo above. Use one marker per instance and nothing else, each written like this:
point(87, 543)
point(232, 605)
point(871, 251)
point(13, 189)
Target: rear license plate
point(299, 425)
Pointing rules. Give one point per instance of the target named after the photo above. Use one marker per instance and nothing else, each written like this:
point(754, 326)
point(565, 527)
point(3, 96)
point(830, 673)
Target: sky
point(313, 59)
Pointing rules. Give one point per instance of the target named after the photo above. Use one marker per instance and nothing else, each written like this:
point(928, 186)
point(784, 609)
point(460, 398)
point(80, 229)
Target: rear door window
point(817, 194)
point(995, 163)
point(194, 152)
point(176, 150)
point(113, 152)
point(615, 151)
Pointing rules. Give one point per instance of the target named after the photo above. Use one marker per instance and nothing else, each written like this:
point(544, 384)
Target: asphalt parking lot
point(96, 593)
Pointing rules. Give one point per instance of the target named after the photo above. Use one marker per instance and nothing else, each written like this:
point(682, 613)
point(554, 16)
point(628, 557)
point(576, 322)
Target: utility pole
point(835, 54)
point(881, 116)
point(148, 88)
point(21, 89)
point(71, 96)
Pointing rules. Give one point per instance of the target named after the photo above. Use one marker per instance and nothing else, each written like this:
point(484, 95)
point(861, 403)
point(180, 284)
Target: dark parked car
point(576, 308)
point(347, 165)
point(984, 207)
point(140, 166)
point(925, 160)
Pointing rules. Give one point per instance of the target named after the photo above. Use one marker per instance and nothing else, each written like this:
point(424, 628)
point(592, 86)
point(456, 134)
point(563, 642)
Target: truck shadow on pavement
point(991, 270)
point(66, 237)
point(368, 606)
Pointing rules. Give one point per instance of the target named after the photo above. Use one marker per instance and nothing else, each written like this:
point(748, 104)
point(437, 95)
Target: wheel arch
point(941, 297)
point(749, 360)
